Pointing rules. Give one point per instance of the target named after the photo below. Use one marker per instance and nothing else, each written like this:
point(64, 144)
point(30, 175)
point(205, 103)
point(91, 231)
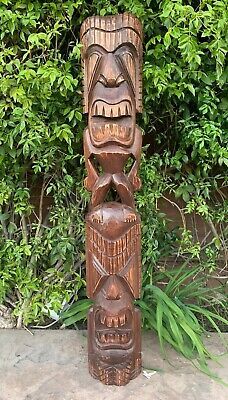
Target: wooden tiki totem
point(112, 58)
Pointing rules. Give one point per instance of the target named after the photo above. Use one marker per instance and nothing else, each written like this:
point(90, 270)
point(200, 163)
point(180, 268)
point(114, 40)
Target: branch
point(179, 209)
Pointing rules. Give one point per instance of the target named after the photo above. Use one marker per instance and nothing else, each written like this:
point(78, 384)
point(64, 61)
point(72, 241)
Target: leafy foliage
point(76, 312)
point(42, 199)
point(172, 307)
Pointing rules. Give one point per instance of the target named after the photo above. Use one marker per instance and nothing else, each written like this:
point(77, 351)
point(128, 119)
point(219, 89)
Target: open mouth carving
point(112, 122)
point(114, 330)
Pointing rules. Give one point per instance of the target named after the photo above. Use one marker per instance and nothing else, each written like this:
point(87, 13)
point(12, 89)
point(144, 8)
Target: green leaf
point(78, 115)
point(167, 40)
point(80, 305)
point(76, 318)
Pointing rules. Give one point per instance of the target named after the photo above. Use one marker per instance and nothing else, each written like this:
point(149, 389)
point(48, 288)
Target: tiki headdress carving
point(112, 54)
point(112, 57)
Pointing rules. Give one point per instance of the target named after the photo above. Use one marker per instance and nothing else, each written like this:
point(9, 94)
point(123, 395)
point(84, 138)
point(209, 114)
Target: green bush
point(41, 125)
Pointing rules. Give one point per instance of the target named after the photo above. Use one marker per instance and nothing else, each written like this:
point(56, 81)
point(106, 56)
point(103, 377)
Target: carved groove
point(112, 65)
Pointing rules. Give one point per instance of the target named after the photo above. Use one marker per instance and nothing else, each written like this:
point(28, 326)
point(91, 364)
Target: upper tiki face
point(112, 56)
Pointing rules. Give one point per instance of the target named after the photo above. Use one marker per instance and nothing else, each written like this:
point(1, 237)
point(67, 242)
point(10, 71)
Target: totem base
point(114, 353)
point(115, 375)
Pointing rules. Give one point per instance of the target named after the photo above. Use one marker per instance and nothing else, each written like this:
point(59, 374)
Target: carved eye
point(93, 59)
point(92, 66)
point(129, 63)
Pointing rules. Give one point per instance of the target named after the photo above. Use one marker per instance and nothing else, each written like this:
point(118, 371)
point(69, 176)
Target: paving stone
point(52, 365)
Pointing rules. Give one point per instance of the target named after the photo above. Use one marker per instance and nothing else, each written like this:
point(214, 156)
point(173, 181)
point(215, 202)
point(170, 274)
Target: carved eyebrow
point(97, 49)
point(96, 66)
point(125, 71)
point(129, 46)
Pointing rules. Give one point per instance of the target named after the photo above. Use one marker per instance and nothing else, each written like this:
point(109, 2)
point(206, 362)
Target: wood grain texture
point(112, 58)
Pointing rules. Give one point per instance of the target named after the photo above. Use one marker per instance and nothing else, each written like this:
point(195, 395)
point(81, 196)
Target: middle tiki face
point(112, 107)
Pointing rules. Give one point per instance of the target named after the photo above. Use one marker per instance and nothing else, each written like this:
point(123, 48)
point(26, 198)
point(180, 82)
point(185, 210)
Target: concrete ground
point(52, 365)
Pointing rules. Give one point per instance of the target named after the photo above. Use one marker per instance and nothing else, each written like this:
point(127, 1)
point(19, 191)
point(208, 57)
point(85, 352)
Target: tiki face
point(111, 54)
point(115, 350)
point(113, 330)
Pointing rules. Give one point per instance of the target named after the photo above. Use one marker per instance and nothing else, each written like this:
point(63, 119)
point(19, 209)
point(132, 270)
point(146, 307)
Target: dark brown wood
point(112, 57)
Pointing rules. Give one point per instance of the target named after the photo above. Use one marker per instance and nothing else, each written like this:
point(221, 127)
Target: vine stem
point(179, 209)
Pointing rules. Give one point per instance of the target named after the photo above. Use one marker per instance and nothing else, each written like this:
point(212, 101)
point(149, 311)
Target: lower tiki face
point(114, 326)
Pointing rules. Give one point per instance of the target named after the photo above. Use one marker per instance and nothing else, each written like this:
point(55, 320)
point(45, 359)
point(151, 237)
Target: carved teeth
point(109, 321)
point(118, 338)
point(112, 338)
point(112, 321)
point(115, 111)
point(111, 130)
point(124, 337)
point(98, 133)
point(103, 318)
point(111, 111)
point(103, 338)
point(122, 319)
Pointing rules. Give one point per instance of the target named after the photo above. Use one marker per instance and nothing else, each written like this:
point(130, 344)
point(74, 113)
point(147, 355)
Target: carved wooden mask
point(112, 54)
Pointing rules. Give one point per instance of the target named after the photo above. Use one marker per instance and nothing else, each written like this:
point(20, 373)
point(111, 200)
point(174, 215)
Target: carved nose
point(110, 75)
point(113, 291)
point(111, 82)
